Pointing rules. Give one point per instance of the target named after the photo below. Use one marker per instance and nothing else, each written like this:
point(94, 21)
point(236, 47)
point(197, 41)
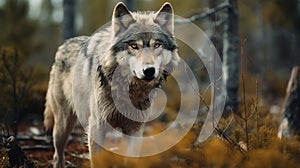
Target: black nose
point(149, 72)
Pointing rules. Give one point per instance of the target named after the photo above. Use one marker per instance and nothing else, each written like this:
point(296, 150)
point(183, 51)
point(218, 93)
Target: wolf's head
point(144, 41)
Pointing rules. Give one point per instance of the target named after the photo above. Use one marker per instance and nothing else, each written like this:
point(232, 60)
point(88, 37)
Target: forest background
point(269, 32)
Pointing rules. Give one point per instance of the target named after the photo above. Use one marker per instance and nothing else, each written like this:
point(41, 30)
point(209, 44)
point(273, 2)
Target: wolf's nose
point(149, 72)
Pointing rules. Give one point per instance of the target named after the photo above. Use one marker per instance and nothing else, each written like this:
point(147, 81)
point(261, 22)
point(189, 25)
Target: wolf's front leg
point(94, 148)
point(134, 143)
point(96, 140)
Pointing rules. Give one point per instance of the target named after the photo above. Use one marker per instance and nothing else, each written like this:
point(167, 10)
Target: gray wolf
point(142, 46)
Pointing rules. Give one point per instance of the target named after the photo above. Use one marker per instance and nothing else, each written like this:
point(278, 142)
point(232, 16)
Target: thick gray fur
point(88, 69)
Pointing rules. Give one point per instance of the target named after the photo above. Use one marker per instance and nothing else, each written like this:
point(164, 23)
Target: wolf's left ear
point(165, 18)
point(121, 19)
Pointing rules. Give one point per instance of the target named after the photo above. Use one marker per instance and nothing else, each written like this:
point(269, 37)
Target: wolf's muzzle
point(149, 73)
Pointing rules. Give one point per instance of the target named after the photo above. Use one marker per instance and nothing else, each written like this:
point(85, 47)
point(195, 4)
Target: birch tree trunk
point(231, 56)
point(68, 26)
point(291, 110)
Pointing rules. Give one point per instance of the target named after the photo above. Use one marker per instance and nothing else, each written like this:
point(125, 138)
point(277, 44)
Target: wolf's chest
point(128, 112)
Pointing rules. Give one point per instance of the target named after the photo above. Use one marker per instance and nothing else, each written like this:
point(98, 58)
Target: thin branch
point(196, 91)
point(244, 97)
point(201, 16)
point(7, 67)
point(25, 83)
point(254, 110)
point(227, 126)
point(257, 113)
point(240, 123)
point(219, 22)
point(228, 139)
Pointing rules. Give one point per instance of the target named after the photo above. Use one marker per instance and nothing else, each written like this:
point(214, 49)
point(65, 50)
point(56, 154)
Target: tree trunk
point(68, 29)
point(216, 38)
point(291, 111)
point(231, 56)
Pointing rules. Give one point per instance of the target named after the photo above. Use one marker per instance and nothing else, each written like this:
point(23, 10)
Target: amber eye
point(157, 45)
point(134, 46)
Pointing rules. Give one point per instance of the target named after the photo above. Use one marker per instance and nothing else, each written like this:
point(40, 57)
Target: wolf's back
point(67, 53)
point(60, 82)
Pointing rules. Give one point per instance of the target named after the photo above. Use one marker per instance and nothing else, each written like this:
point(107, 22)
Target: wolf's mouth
point(148, 79)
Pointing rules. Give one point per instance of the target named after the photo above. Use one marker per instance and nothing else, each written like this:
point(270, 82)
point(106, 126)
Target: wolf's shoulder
point(73, 44)
point(67, 53)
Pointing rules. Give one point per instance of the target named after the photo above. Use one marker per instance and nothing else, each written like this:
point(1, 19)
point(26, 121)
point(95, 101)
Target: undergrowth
point(264, 149)
point(247, 138)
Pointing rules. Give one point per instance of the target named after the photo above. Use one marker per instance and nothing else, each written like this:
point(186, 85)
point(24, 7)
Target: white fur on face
point(137, 66)
point(137, 58)
point(154, 56)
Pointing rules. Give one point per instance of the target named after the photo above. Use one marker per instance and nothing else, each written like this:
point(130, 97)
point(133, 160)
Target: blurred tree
point(284, 21)
point(49, 34)
point(17, 32)
point(94, 14)
point(291, 111)
point(15, 82)
point(272, 31)
point(16, 28)
point(46, 16)
point(231, 54)
point(231, 47)
point(68, 25)
point(131, 4)
point(283, 14)
point(217, 21)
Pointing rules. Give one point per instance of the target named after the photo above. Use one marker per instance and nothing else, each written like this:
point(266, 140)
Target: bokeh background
point(31, 31)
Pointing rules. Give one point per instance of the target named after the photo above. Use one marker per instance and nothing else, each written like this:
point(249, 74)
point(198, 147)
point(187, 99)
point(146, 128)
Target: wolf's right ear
point(165, 18)
point(121, 19)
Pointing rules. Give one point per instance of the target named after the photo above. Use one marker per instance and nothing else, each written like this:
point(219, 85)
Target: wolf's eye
point(157, 45)
point(134, 46)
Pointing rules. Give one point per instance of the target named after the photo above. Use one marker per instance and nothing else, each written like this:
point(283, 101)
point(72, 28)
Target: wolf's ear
point(121, 19)
point(165, 18)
